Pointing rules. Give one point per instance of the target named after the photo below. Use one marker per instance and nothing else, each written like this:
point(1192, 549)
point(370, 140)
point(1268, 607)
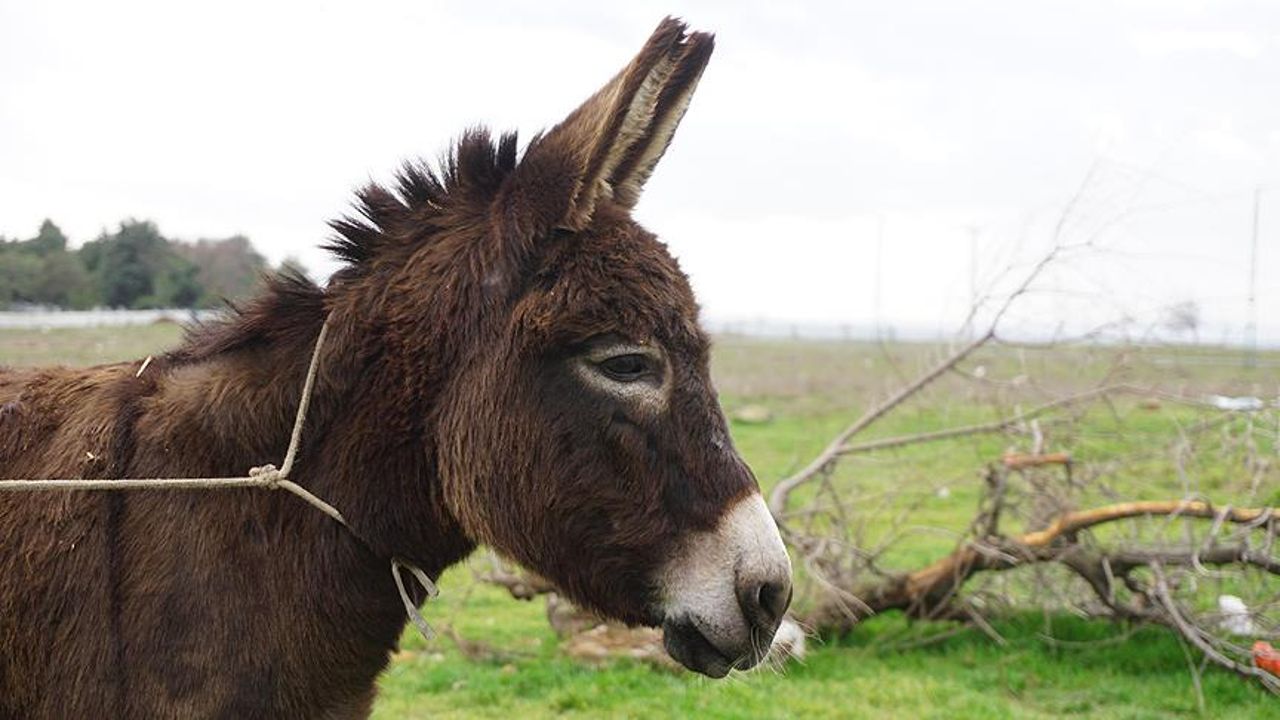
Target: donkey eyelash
point(627, 368)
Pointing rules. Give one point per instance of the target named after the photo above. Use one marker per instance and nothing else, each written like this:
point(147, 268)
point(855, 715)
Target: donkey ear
point(611, 143)
point(628, 179)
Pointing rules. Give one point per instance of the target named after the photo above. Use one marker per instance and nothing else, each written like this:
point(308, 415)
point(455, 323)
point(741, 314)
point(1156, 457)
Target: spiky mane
point(470, 172)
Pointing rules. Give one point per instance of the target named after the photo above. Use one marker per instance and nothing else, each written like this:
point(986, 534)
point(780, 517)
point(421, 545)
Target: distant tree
point(48, 240)
point(40, 271)
point(19, 272)
point(64, 282)
point(133, 267)
point(226, 269)
point(125, 263)
point(137, 267)
point(175, 285)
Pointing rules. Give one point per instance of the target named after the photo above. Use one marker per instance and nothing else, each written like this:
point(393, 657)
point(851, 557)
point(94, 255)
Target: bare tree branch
point(782, 491)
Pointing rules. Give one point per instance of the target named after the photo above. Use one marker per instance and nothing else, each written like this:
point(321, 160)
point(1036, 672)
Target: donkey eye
point(625, 368)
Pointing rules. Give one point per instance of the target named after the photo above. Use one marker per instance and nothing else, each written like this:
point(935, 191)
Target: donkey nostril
point(774, 599)
point(764, 603)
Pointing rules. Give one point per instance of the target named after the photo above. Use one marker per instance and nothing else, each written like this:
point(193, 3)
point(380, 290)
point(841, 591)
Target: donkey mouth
point(687, 645)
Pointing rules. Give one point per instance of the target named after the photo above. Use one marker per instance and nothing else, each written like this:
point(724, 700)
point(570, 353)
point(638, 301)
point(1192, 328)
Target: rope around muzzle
point(264, 476)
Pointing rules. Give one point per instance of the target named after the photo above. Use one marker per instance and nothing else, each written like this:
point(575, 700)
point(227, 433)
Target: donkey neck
point(364, 447)
point(230, 396)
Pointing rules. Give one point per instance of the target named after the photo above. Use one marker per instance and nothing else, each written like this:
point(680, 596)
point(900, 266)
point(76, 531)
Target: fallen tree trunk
point(930, 591)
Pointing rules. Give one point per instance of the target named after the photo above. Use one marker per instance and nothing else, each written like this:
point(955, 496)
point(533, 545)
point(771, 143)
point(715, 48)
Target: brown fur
point(443, 416)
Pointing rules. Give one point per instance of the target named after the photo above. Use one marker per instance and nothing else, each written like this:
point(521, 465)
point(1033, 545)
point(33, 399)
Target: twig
point(1195, 635)
point(781, 491)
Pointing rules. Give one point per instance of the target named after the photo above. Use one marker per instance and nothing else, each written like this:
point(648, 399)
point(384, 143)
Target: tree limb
point(929, 590)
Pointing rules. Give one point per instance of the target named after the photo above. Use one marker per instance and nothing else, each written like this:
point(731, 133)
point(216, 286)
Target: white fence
point(47, 319)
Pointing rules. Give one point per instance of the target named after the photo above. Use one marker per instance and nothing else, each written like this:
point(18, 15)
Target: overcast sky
point(829, 143)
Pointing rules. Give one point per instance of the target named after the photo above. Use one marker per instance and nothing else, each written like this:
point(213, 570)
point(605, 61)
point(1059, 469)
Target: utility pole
point(1251, 330)
point(879, 287)
point(974, 232)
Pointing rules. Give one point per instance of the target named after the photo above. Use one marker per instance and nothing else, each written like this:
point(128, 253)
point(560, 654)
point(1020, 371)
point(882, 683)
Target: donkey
point(510, 360)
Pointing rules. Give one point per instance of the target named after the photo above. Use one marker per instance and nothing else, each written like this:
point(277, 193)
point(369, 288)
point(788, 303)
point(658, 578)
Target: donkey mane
point(285, 311)
point(472, 171)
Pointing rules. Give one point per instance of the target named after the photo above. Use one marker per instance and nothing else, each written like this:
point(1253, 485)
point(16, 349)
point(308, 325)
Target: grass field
point(813, 389)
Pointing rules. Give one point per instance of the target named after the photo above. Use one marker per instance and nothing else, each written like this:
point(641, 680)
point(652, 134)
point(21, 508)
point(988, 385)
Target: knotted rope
point(265, 476)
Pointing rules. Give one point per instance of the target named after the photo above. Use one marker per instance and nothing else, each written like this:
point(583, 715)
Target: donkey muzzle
point(725, 592)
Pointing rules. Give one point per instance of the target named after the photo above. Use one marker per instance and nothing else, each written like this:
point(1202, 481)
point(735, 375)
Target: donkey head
point(577, 430)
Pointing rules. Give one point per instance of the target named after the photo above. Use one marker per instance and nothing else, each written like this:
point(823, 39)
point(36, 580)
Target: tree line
point(133, 267)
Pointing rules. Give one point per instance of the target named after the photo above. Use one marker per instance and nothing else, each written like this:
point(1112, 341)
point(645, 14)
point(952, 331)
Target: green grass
point(814, 389)
point(1095, 670)
point(964, 676)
